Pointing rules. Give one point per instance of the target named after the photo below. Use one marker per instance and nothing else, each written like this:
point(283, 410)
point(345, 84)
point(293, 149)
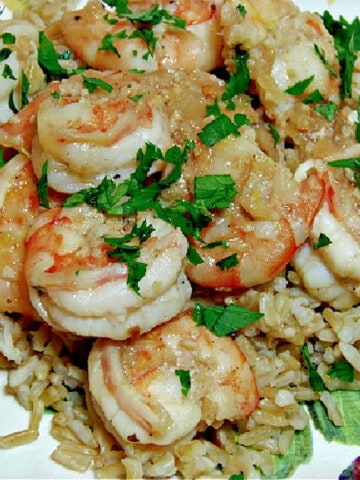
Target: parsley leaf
point(107, 42)
point(323, 241)
point(185, 381)
point(327, 110)
point(221, 127)
point(128, 253)
point(228, 262)
point(315, 380)
point(8, 38)
point(224, 321)
point(91, 83)
point(7, 72)
point(5, 54)
point(342, 370)
point(48, 58)
point(238, 82)
point(42, 186)
point(275, 133)
point(347, 43)
point(327, 64)
point(299, 87)
point(2, 158)
point(242, 10)
point(216, 191)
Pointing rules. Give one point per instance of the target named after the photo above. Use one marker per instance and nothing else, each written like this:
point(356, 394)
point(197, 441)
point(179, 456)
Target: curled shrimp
point(76, 287)
point(19, 208)
point(286, 48)
point(196, 46)
point(136, 390)
point(20, 74)
point(330, 270)
point(269, 218)
point(88, 130)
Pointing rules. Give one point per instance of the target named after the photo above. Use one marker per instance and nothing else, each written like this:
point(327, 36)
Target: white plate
point(33, 461)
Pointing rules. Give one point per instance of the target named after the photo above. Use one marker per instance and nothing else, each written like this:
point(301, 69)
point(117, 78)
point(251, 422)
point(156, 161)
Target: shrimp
point(85, 135)
point(198, 46)
point(269, 218)
point(331, 272)
point(136, 390)
point(19, 208)
point(286, 47)
point(20, 73)
point(76, 287)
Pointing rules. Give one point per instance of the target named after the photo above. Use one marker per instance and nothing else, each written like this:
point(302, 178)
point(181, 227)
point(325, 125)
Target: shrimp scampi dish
point(180, 233)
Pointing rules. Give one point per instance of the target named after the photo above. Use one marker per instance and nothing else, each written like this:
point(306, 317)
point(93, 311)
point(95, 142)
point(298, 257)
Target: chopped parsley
point(185, 381)
point(221, 127)
point(352, 164)
point(314, 97)
point(299, 87)
point(42, 186)
point(48, 58)
point(7, 72)
point(91, 83)
point(275, 133)
point(323, 241)
point(8, 38)
point(5, 54)
point(315, 379)
point(2, 158)
point(129, 252)
point(216, 191)
point(153, 16)
point(327, 64)
point(342, 370)
point(239, 81)
point(228, 262)
point(347, 43)
point(242, 10)
point(226, 320)
point(327, 110)
point(107, 42)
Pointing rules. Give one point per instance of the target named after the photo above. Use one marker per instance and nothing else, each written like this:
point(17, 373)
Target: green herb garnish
point(224, 321)
point(92, 83)
point(315, 379)
point(342, 370)
point(216, 191)
point(299, 87)
point(323, 241)
point(42, 186)
point(185, 381)
point(129, 253)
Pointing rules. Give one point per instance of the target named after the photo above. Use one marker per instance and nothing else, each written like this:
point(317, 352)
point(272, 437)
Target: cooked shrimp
point(19, 207)
point(138, 394)
point(18, 44)
point(86, 135)
point(331, 272)
point(286, 46)
point(75, 286)
point(198, 46)
point(270, 216)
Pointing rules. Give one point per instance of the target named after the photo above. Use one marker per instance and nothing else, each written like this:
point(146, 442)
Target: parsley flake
point(342, 370)
point(216, 191)
point(315, 379)
point(92, 83)
point(42, 186)
point(323, 241)
point(299, 87)
point(129, 252)
point(185, 381)
point(224, 321)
